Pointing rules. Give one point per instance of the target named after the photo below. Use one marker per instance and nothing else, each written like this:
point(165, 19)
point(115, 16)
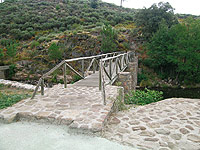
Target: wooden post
point(42, 87)
point(82, 69)
point(94, 66)
point(103, 85)
point(110, 68)
point(100, 80)
point(116, 63)
point(65, 77)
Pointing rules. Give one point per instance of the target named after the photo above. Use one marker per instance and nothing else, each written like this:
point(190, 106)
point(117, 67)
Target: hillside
point(20, 19)
point(29, 27)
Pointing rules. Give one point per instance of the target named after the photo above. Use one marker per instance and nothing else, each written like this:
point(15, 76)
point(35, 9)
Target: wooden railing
point(110, 68)
point(93, 63)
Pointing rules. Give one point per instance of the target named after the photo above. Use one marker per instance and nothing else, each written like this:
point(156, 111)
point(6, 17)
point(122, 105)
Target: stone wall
point(128, 80)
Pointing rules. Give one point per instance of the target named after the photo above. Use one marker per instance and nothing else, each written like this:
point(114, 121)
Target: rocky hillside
point(29, 27)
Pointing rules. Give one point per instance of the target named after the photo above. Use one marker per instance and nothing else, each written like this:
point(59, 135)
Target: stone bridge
point(85, 105)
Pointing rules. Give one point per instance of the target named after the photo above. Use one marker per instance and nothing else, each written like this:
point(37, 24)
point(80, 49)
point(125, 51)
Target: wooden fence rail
point(109, 66)
point(94, 63)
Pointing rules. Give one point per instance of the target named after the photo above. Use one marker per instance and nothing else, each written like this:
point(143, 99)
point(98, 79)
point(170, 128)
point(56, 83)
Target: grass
point(10, 95)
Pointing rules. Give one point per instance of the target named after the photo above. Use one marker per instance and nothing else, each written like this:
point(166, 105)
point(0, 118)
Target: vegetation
point(109, 37)
point(10, 96)
point(55, 53)
point(148, 19)
point(22, 19)
point(174, 52)
point(140, 97)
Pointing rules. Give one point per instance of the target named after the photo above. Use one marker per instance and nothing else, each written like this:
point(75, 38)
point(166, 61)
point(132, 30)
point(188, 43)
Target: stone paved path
point(171, 124)
point(79, 107)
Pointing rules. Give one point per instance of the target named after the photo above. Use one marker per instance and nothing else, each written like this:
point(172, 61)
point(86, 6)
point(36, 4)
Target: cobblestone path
point(171, 124)
point(77, 106)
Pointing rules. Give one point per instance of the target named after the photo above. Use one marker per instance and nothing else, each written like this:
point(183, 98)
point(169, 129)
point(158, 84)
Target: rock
point(146, 119)
point(181, 116)
point(193, 138)
point(197, 123)
point(134, 122)
point(151, 139)
point(114, 120)
point(122, 130)
point(176, 136)
point(147, 133)
point(162, 131)
point(166, 121)
point(184, 131)
point(138, 128)
point(164, 148)
point(153, 125)
point(189, 127)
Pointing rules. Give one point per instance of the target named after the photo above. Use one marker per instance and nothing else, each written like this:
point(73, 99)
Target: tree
point(148, 20)
point(109, 37)
point(11, 50)
point(175, 52)
point(94, 3)
point(54, 52)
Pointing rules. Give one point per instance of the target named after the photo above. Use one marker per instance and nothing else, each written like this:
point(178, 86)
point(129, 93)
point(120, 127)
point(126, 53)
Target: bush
point(11, 50)
point(1, 54)
point(11, 71)
point(9, 100)
point(54, 52)
point(140, 97)
point(34, 44)
point(109, 37)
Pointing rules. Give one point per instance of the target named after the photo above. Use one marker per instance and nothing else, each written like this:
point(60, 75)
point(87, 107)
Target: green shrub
point(57, 7)
point(11, 50)
point(109, 37)
point(9, 100)
point(76, 78)
point(34, 44)
point(55, 53)
point(140, 97)
point(11, 71)
point(1, 54)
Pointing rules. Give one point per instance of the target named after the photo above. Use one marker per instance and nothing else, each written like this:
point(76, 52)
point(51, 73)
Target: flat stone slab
point(79, 107)
point(171, 124)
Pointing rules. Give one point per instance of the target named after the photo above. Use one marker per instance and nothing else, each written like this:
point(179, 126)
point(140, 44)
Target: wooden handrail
point(65, 64)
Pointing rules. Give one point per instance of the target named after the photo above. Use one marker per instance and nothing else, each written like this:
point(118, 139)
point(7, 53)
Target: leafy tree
point(175, 52)
point(148, 20)
point(109, 37)
point(54, 52)
point(94, 3)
